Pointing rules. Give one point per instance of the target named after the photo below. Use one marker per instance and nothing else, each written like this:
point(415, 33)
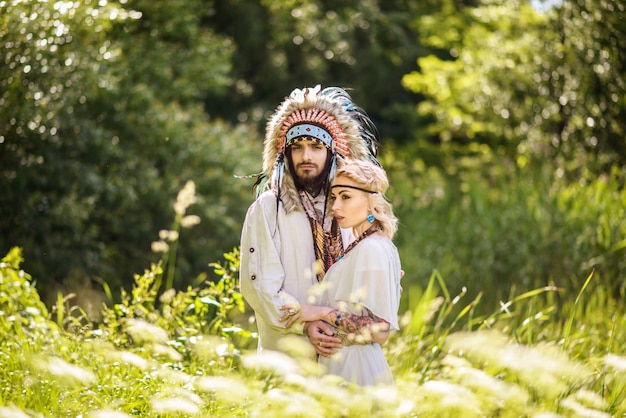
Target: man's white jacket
point(277, 261)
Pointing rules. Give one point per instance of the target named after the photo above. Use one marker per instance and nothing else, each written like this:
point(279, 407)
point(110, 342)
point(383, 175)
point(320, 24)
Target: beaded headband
point(312, 122)
point(311, 131)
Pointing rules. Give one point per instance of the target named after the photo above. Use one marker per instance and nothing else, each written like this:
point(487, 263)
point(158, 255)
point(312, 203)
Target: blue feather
point(369, 133)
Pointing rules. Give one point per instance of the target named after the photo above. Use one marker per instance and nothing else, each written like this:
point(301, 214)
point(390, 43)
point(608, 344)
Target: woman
point(360, 293)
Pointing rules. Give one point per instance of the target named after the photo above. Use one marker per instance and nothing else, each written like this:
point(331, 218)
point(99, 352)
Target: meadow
point(535, 349)
point(505, 150)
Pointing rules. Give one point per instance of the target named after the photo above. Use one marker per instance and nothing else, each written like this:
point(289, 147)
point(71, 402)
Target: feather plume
point(354, 135)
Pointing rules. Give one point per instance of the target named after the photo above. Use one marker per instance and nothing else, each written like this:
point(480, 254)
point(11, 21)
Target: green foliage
point(107, 109)
point(155, 313)
point(528, 366)
point(497, 230)
point(174, 323)
point(129, 363)
point(21, 311)
point(446, 364)
point(505, 154)
point(509, 76)
point(169, 53)
point(52, 64)
point(101, 116)
point(591, 84)
point(362, 45)
point(485, 88)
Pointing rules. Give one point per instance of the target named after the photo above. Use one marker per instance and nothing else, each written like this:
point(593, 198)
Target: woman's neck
point(360, 229)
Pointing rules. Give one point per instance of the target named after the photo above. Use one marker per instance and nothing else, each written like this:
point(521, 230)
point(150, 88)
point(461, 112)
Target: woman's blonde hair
point(372, 177)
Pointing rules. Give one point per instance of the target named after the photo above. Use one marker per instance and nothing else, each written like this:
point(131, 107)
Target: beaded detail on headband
point(320, 118)
point(308, 130)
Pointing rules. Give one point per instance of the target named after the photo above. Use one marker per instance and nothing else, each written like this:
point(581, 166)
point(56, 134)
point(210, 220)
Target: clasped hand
point(291, 314)
point(320, 333)
point(300, 313)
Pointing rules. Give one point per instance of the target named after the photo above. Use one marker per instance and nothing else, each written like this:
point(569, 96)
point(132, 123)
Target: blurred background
point(503, 132)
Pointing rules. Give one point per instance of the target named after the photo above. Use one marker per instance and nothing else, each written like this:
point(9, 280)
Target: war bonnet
point(328, 115)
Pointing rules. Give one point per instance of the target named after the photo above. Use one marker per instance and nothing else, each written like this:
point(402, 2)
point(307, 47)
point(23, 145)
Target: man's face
point(309, 160)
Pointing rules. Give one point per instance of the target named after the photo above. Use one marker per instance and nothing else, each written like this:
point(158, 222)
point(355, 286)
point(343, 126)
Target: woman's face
point(350, 206)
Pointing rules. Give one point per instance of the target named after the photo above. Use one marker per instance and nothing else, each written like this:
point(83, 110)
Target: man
point(288, 242)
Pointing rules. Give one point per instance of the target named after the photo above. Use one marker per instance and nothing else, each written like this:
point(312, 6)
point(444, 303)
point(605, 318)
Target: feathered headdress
point(328, 115)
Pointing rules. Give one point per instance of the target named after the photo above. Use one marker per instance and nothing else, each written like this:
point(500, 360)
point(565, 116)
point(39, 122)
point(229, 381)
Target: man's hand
point(322, 337)
point(303, 313)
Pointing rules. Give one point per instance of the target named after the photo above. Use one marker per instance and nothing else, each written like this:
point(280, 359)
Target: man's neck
point(313, 191)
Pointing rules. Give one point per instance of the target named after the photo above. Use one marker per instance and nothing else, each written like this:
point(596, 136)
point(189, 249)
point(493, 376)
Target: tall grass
point(552, 350)
point(160, 361)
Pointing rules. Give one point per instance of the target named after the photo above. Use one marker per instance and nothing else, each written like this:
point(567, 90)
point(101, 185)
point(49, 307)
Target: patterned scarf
point(326, 237)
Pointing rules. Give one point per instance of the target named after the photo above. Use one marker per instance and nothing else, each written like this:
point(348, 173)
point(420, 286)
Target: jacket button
point(251, 249)
point(253, 277)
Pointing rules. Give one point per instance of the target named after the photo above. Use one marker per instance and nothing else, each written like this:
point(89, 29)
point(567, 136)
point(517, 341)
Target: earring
point(370, 218)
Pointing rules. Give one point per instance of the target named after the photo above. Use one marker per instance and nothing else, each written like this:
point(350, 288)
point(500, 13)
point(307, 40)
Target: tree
point(102, 124)
point(522, 81)
point(363, 45)
point(592, 91)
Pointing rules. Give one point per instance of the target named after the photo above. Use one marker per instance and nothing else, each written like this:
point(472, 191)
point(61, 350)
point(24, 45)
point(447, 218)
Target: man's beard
point(312, 184)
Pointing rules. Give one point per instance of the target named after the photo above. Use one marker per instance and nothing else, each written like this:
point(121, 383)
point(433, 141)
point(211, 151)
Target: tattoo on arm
point(363, 325)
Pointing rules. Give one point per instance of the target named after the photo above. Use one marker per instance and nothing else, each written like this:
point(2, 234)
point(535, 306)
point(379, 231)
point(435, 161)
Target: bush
point(496, 230)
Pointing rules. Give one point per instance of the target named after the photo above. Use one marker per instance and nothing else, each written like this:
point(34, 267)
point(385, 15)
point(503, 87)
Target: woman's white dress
point(367, 278)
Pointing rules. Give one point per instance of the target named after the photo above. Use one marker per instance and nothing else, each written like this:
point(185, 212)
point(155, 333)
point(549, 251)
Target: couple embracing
point(317, 257)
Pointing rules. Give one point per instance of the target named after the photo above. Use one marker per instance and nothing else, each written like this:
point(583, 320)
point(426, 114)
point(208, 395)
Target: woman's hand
point(291, 314)
point(303, 313)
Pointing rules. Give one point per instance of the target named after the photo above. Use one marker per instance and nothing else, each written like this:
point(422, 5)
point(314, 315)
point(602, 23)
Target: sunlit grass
point(446, 362)
point(553, 351)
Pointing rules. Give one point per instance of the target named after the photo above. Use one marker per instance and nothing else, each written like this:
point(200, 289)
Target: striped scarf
point(326, 238)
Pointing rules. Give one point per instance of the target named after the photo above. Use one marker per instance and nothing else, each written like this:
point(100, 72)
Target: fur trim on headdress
point(353, 134)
